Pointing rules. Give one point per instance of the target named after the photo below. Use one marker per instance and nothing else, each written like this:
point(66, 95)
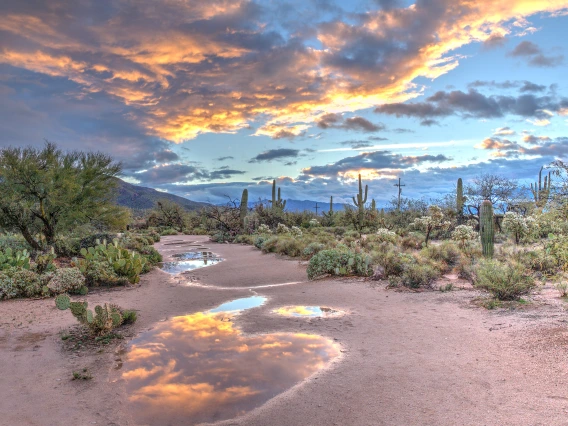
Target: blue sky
point(204, 99)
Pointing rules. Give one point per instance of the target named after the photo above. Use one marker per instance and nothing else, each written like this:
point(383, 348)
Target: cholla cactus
point(282, 229)
point(314, 223)
point(296, 232)
point(463, 234)
point(384, 235)
point(264, 229)
point(434, 220)
point(520, 227)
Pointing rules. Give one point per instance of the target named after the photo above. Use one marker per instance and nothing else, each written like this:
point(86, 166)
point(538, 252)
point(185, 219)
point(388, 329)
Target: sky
point(204, 99)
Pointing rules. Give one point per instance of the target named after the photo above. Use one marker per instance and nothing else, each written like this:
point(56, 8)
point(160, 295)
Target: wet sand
point(427, 358)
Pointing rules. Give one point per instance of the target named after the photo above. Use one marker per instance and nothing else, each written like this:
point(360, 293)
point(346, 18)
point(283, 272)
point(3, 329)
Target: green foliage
point(44, 262)
point(435, 220)
point(411, 241)
point(7, 288)
point(522, 228)
point(504, 280)
point(168, 231)
point(417, 275)
point(27, 283)
point(14, 259)
point(62, 301)
point(66, 280)
point(46, 191)
point(339, 262)
point(13, 241)
point(464, 234)
point(446, 252)
point(384, 235)
point(311, 249)
point(129, 316)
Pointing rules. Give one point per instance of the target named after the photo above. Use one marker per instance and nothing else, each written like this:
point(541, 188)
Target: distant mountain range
point(141, 198)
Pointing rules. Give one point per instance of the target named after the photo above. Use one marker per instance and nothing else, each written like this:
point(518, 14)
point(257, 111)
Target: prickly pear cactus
point(62, 302)
point(486, 228)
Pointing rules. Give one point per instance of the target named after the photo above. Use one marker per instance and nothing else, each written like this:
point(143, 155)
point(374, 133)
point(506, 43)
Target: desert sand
point(407, 358)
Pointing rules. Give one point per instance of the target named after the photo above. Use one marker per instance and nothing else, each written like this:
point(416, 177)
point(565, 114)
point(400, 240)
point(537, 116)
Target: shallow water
point(195, 255)
point(307, 311)
point(177, 267)
point(202, 368)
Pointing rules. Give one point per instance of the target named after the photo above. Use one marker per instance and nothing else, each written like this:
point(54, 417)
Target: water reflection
point(202, 368)
point(188, 265)
point(195, 255)
point(307, 311)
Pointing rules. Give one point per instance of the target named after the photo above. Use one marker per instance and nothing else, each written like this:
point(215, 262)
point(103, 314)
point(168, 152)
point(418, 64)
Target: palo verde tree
point(44, 192)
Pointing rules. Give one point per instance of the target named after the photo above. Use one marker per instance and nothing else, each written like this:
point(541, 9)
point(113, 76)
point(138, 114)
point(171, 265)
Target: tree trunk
point(30, 240)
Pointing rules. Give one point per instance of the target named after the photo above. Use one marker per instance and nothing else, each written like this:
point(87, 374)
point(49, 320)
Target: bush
point(66, 280)
point(463, 234)
point(13, 242)
point(505, 281)
point(538, 260)
point(99, 273)
point(7, 288)
point(446, 252)
point(339, 262)
point(412, 241)
point(289, 246)
point(95, 239)
point(168, 231)
point(264, 229)
point(419, 275)
point(296, 232)
point(282, 229)
point(68, 246)
point(269, 245)
point(384, 235)
point(27, 283)
point(259, 241)
point(311, 249)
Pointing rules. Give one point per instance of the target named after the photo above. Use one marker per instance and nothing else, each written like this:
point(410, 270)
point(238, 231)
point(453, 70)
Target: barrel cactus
point(487, 228)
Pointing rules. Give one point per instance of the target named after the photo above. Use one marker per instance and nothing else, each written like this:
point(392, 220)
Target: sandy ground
point(426, 358)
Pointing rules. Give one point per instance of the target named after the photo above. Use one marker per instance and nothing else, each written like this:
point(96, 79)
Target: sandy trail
point(427, 358)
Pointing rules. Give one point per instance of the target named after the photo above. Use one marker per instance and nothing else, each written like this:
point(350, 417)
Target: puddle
point(307, 311)
point(194, 255)
point(188, 265)
point(202, 368)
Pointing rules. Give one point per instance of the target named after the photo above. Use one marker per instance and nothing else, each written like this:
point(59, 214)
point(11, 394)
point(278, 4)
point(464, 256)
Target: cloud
point(225, 174)
point(494, 41)
point(357, 144)
point(336, 121)
point(228, 157)
point(532, 52)
point(275, 154)
point(504, 131)
point(473, 104)
point(165, 156)
point(375, 162)
point(189, 67)
point(533, 140)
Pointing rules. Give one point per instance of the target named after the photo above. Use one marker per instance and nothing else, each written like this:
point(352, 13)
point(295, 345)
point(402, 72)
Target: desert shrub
point(13, 242)
point(129, 316)
point(282, 229)
point(339, 262)
point(245, 239)
point(152, 255)
point(522, 228)
point(7, 288)
point(465, 269)
point(27, 283)
point(168, 231)
point(505, 281)
point(289, 246)
point(100, 273)
point(269, 245)
point(384, 235)
point(352, 234)
point(313, 223)
point(411, 241)
point(263, 229)
point(418, 275)
point(296, 232)
point(393, 262)
point(446, 252)
point(221, 237)
point(259, 241)
point(311, 249)
point(339, 231)
point(464, 234)
point(66, 280)
point(538, 260)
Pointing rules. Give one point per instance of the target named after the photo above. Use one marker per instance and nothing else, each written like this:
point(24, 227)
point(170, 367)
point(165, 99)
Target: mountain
point(141, 198)
point(301, 205)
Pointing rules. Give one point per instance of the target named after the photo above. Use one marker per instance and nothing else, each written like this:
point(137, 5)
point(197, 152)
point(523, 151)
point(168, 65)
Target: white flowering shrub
point(264, 229)
point(296, 232)
point(282, 229)
point(520, 227)
point(66, 280)
point(463, 234)
point(386, 236)
point(314, 223)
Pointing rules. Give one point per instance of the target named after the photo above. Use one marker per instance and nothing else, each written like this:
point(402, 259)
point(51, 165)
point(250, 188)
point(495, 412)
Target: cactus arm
point(366, 192)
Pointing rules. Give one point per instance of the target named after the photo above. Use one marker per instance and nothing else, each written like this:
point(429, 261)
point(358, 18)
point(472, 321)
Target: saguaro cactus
point(486, 228)
point(373, 205)
point(244, 207)
point(277, 202)
point(460, 198)
point(541, 192)
point(360, 201)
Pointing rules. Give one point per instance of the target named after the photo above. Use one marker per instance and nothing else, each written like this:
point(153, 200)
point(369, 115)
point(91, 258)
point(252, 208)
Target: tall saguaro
point(360, 202)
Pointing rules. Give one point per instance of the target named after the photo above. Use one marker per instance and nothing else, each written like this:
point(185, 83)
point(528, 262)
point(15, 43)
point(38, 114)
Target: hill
point(142, 198)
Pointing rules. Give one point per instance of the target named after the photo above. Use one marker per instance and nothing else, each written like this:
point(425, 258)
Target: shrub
point(296, 232)
point(95, 239)
point(99, 273)
point(282, 229)
point(259, 241)
point(411, 241)
point(384, 235)
point(289, 246)
point(269, 245)
point(14, 242)
point(446, 252)
point(313, 223)
point(66, 280)
point(463, 234)
point(264, 229)
point(339, 262)
point(129, 316)
point(538, 260)
point(311, 249)
point(27, 283)
point(520, 227)
point(418, 275)
point(7, 288)
point(168, 231)
point(505, 281)
point(67, 246)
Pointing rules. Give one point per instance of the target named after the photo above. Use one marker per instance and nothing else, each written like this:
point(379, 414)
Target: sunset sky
point(205, 98)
